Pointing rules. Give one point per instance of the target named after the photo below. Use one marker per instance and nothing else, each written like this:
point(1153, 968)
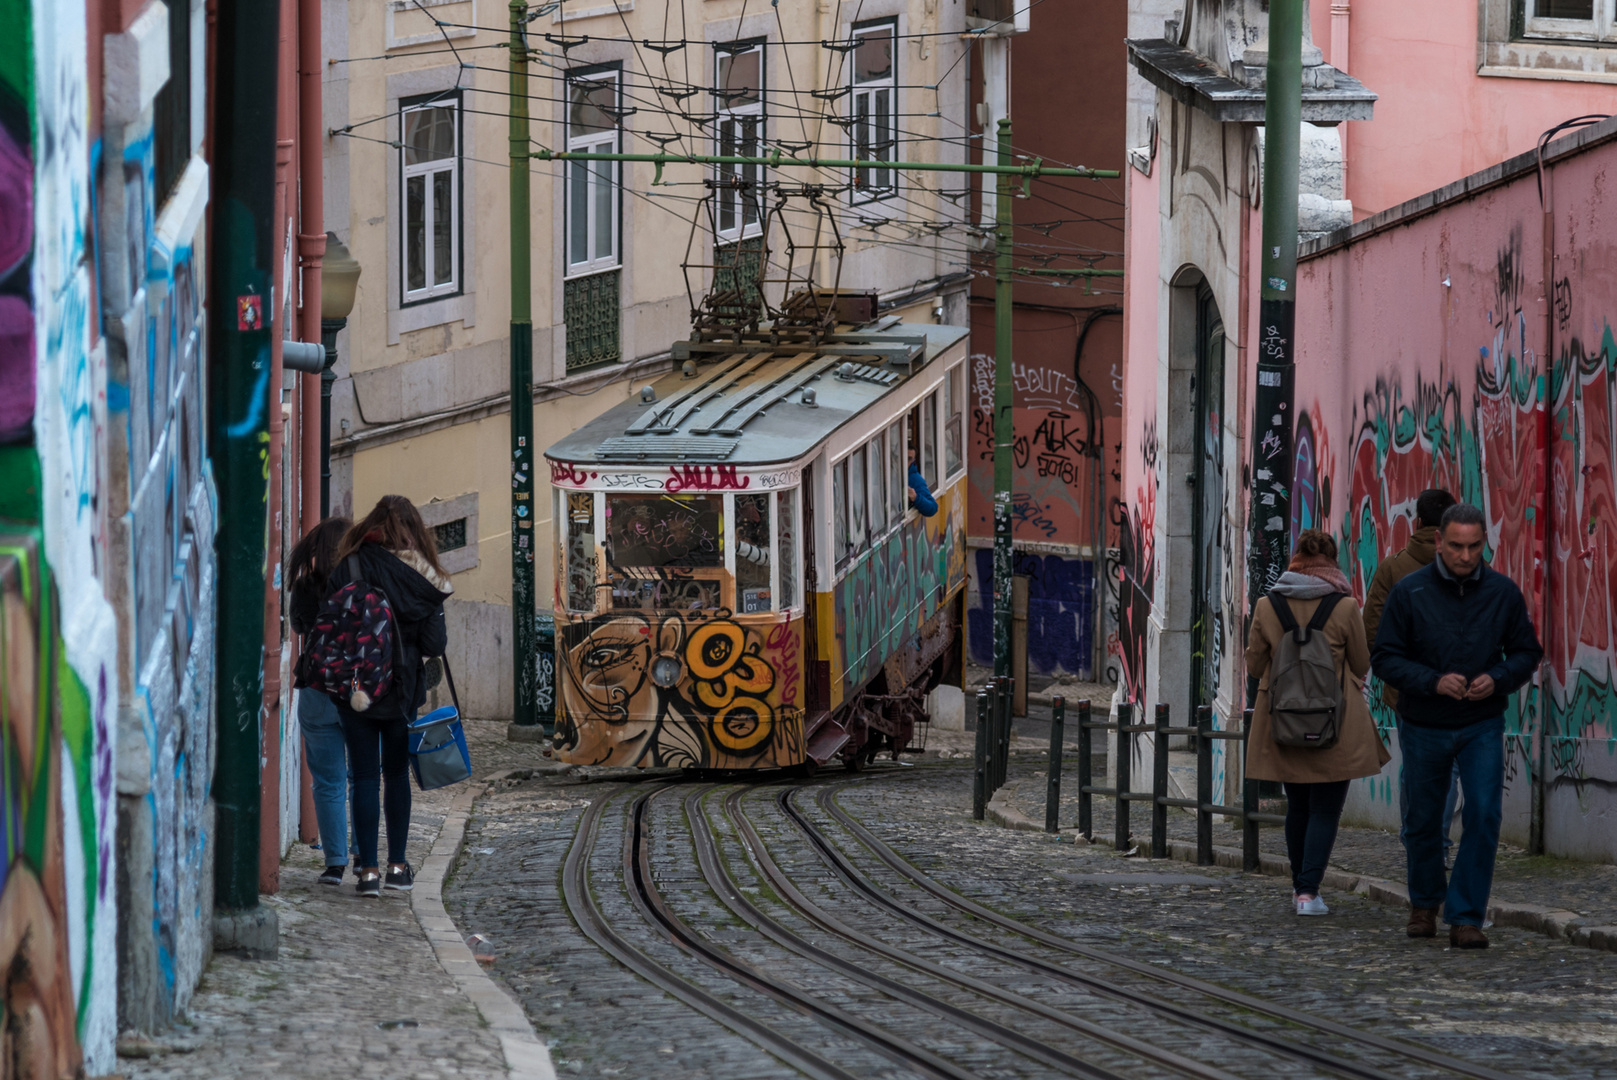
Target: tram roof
point(743, 406)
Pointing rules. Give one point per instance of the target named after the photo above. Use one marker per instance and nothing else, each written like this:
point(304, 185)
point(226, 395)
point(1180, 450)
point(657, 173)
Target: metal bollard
point(1120, 769)
point(1052, 786)
point(1249, 805)
point(1007, 696)
point(979, 775)
point(1086, 773)
point(1159, 785)
point(1204, 786)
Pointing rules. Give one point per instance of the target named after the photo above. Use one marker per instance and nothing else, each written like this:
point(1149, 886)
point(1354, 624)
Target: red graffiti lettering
point(785, 646)
point(705, 478)
point(565, 472)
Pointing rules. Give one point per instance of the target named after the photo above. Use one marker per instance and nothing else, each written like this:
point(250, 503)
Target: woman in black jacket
point(393, 551)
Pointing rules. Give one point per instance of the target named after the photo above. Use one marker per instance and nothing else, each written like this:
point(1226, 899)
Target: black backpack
point(1306, 699)
point(349, 653)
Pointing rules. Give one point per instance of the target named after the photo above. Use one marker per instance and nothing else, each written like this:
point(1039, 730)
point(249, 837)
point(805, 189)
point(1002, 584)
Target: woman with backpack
point(1311, 728)
point(390, 551)
point(324, 747)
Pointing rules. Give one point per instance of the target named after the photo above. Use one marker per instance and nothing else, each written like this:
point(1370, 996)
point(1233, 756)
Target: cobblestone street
point(1529, 1006)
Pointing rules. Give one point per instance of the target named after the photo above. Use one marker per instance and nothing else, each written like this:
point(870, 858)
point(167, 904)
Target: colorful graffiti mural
point(690, 690)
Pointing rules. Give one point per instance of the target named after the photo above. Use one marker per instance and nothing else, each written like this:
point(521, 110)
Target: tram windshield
point(665, 551)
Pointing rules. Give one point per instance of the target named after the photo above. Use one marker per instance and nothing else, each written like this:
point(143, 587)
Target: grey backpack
point(1306, 699)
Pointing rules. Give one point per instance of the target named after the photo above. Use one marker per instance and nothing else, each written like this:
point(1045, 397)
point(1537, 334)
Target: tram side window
point(897, 489)
point(839, 510)
point(929, 439)
point(657, 547)
point(878, 485)
point(786, 529)
point(752, 553)
point(858, 485)
point(580, 551)
point(954, 423)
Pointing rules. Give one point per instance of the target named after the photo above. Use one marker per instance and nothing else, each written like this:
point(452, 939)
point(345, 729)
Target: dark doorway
point(1210, 537)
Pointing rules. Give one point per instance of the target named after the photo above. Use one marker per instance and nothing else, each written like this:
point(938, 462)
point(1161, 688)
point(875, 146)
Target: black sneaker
point(370, 885)
point(403, 880)
point(332, 875)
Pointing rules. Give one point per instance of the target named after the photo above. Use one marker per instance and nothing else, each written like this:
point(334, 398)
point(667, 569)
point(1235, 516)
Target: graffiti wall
point(57, 902)
point(1067, 426)
point(1426, 355)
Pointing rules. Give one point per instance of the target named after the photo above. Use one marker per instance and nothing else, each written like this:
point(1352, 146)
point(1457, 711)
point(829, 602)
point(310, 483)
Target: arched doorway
point(1210, 537)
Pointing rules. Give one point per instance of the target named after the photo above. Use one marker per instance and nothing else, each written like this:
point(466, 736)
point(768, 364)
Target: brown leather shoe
point(1467, 937)
point(1422, 922)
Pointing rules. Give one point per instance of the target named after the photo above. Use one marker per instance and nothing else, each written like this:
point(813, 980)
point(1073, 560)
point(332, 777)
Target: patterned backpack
point(349, 653)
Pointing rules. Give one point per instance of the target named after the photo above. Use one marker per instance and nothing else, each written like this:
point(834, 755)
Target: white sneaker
point(1311, 905)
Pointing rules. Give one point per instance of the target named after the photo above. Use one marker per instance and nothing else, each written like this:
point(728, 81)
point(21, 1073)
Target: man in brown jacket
point(1419, 552)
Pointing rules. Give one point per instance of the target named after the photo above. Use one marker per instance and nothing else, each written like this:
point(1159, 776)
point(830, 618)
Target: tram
point(741, 581)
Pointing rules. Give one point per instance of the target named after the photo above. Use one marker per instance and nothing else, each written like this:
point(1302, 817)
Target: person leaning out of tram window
point(396, 554)
point(1316, 781)
point(921, 493)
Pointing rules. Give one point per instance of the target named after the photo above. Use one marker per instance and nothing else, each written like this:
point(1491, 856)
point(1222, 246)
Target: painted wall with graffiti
point(1426, 360)
point(1068, 426)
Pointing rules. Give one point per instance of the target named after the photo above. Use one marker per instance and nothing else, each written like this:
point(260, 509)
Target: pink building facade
point(1401, 379)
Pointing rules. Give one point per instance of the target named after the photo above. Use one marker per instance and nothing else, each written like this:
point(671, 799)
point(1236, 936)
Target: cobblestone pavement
point(1529, 1005)
point(348, 972)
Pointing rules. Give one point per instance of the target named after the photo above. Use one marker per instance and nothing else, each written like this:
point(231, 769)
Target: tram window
point(752, 552)
point(581, 568)
point(786, 529)
point(954, 423)
point(858, 486)
point(839, 509)
point(878, 485)
point(897, 489)
point(665, 530)
point(929, 439)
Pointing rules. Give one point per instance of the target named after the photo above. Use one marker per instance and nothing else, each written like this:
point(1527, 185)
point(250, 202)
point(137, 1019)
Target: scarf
point(1308, 578)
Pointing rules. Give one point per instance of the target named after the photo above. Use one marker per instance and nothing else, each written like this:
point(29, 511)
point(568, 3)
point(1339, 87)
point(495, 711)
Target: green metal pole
point(523, 631)
point(1004, 395)
point(241, 297)
point(1269, 514)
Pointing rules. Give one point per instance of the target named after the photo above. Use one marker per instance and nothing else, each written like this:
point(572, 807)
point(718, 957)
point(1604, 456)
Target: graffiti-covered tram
point(741, 581)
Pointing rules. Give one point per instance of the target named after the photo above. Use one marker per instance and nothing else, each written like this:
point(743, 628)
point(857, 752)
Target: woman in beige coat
point(1316, 780)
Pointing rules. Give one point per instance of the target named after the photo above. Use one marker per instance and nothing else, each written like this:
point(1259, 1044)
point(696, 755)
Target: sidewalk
point(1566, 899)
point(361, 988)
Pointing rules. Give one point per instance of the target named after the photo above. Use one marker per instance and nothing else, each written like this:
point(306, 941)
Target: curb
point(1557, 923)
point(526, 1055)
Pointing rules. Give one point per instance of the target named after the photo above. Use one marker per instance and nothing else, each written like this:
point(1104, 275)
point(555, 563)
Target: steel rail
point(581, 905)
point(903, 867)
point(1013, 1039)
point(637, 867)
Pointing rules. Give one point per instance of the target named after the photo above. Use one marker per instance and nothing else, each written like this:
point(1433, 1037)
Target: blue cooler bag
point(438, 753)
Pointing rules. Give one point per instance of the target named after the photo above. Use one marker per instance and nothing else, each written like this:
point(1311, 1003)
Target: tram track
point(728, 875)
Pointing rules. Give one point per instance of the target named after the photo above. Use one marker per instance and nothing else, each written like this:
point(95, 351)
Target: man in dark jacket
point(1418, 552)
point(1455, 641)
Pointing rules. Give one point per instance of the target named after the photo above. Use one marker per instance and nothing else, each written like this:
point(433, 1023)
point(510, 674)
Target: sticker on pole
point(249, 312)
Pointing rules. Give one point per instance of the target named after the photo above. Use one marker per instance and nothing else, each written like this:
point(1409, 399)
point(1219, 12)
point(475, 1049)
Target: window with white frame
point(874, 74)
point(431, 195)
point(1571, 20)
point(594, 200)
point(738, 95)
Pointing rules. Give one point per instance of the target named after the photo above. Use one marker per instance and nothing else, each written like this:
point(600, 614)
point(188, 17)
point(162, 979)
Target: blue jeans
point(1431, 756)
point(1312, 814)
point(326, 751)
point(389, 761)
point(1448, 805)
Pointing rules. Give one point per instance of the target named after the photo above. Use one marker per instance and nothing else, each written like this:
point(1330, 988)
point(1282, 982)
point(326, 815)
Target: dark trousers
point(1430, 758)
point(1312, 812)
point(378, 750)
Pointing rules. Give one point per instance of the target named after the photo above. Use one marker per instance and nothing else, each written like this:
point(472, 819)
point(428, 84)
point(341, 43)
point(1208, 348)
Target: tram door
point(818, 668)
point(1208, 632)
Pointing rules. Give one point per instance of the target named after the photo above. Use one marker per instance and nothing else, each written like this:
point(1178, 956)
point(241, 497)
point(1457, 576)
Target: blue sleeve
point(1390, 658)
point(1521, 647)
point(925, 504)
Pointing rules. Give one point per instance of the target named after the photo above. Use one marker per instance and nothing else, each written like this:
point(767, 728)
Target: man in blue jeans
point(1455, 641)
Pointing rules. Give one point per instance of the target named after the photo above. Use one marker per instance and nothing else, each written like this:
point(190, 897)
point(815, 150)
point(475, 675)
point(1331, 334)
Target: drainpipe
point(240, 280)
point(1341, 20)
point(269, 821)
point(311, 253)
point(1269, 512)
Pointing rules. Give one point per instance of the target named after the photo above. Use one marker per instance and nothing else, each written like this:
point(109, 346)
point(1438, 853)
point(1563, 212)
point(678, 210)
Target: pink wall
point(1437, 119)
point(1422, 362)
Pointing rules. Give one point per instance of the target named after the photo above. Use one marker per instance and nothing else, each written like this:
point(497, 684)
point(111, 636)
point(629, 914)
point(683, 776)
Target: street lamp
point(339, 279)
